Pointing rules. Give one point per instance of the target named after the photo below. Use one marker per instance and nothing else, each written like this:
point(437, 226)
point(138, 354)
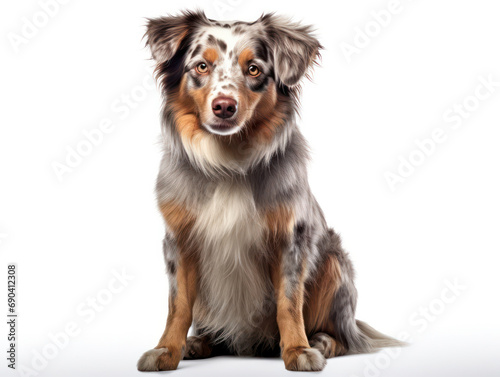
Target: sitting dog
point(252, 265)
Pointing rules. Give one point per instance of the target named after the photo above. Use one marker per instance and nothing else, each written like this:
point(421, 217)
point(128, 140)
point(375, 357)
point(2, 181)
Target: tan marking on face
point(193, 102)
point(200, 97)
point(247, 100)
point(186, 107)
point(210, 55)
point(269, 115)
point(245, 56)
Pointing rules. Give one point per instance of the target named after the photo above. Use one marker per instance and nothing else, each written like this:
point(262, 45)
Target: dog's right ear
point(164, 35)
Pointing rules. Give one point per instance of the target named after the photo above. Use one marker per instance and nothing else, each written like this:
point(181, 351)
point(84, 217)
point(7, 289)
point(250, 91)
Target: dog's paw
point(158, 359)
point(304, 359)
point(326, 345)
point(197, 348)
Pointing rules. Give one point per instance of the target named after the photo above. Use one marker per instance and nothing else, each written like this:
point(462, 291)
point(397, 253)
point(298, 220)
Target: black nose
point(224, 107)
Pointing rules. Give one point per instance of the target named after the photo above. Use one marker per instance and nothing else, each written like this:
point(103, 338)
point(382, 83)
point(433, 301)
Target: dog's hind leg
point(317, 311)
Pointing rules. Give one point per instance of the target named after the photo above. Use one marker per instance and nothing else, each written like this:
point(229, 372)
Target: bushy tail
point(365, 339)
point(377, 339)
point(356, 336)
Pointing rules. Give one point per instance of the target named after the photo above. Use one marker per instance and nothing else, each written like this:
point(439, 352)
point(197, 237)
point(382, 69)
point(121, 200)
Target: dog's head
point(226, 77)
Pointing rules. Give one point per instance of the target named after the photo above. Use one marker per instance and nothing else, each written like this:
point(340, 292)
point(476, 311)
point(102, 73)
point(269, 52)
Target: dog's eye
point(202, 68)
point(254, 71)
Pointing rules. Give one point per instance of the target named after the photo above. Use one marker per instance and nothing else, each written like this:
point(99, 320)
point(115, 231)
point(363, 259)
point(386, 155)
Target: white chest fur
point(234, 284)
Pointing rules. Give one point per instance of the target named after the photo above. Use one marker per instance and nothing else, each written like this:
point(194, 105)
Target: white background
point(440, 225)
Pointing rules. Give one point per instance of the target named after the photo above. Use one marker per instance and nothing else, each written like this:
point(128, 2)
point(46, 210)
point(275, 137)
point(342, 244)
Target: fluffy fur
point(252, 264)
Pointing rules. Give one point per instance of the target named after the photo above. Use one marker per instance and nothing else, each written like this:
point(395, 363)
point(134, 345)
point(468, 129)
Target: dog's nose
point(224, 107)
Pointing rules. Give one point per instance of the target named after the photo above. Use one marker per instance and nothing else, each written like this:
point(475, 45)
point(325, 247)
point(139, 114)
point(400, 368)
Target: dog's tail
point(354, 335)
point(362, 338)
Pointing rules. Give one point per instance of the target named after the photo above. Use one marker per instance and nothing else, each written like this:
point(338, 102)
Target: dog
point(252, 266)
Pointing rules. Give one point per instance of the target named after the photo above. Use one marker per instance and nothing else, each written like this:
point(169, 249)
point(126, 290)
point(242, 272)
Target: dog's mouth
point(223, 127)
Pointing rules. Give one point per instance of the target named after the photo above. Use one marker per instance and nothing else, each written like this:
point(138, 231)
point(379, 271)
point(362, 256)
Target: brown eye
point(254, 71)
point(202, 68)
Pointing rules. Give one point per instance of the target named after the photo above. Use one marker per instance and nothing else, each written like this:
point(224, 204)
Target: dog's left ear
point(294, 46)
point(165, 34)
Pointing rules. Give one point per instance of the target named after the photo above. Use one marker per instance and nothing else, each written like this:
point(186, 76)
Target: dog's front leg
point(183, 276)
point(288, 275)
point(170, 349)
